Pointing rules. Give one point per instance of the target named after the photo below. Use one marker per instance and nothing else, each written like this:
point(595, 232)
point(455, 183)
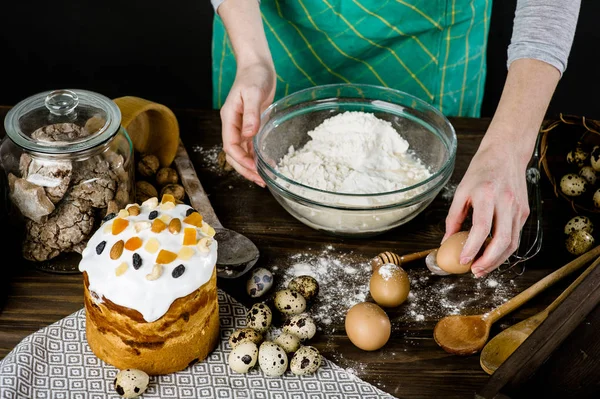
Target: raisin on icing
point(190, 211)
point(137, 261)
point(153, 215)
point(178, 271)
point(100, 247)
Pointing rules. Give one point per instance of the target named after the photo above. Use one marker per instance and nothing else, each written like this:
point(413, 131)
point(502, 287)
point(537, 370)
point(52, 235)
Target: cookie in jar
point(68, 165)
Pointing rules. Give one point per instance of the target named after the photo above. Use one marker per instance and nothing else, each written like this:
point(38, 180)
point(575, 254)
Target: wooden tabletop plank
point(411, 364)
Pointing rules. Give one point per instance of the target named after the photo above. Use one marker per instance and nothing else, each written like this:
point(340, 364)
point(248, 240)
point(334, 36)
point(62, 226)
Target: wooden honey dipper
point(398, 260)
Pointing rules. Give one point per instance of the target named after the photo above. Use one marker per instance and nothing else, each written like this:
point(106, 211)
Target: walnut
point(166, 176)
point(222, 160)
point(69, 225)
point(176, 190)
point(148, 165)
point(143, 191)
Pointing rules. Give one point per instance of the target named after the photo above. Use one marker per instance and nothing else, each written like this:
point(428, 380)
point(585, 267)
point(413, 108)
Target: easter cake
point(150, 287)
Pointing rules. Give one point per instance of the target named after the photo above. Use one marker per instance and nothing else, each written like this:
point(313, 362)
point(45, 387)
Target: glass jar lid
point(62, 121)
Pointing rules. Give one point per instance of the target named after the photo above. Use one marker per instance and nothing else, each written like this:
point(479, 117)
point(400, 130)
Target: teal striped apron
point(432, 49)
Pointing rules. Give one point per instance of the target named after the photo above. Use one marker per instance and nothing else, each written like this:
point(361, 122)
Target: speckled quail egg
point(578, 157)
point(259, 282)
point(595, 158)
point(306, 360)
point(302, 325)
point(579, 223)
point(307, 286)
point(245, 335)
point(579, 242)
point(596, 198)
point(289, 302)
point(131, 383)
point(589, 174)
point(289, 342)
point(573, 185)
point(272, 359)
point(243, 357)
point(259, 317)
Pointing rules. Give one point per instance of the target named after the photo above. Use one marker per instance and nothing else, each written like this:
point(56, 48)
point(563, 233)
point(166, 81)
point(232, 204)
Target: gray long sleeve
point(544, 30)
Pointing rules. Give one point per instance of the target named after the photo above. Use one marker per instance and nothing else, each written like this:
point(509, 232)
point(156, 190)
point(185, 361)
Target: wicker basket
point(560, 136)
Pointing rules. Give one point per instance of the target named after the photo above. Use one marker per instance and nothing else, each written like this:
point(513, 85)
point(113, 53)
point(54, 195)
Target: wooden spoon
point(506, 342)
point(466, 335)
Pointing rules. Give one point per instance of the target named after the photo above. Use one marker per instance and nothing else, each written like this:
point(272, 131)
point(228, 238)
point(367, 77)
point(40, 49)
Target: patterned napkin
point(56, 362)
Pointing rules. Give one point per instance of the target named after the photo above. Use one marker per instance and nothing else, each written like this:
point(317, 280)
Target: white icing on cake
point(152, 298)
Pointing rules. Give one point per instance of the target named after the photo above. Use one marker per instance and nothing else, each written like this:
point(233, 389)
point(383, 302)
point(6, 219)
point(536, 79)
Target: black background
point(160, 50)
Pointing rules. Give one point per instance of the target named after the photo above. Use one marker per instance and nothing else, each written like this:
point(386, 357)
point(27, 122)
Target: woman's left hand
point(495, 187)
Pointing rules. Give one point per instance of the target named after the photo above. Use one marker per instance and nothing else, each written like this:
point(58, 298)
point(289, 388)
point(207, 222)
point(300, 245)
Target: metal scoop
point(236, 254)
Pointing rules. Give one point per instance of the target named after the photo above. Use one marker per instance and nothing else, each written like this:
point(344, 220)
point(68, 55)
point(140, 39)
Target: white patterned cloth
point(56, 362)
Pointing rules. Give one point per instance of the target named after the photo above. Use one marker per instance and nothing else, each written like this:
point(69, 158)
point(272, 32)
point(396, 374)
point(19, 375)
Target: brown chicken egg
point(448, 255)
point(368, 326)
point(389, 285)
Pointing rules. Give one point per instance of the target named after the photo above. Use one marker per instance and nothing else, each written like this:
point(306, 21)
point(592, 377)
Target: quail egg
point(306, 360)
point(243, 357)
point(573, 185)
point(259, 317)
point(596, 198)
point(131, 383)
point(595, 158)
point(579, 242)
point(589, 174)
point(579, 223)
point(307, 286)
point(272, 359)
point(260, 281)
point(244, 335)
point(577, 157)
point(302, 326)
point(289, 342)
point(289, 302)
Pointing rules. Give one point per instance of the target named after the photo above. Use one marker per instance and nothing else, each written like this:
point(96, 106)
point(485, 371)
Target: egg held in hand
point(389, 285)
point(448, 255)
point(368, 326)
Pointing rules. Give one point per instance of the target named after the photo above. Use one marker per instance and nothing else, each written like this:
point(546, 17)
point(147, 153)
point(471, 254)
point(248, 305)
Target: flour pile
point(357, 153)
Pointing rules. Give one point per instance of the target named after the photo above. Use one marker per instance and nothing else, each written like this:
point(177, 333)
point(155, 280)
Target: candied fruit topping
point(178, 271)
point(165, 257)
point(123, 213)
point(139, 226)
point(167, 198)
point(119, 225)
point(121, 269)
point(186, 253)
point(166, 206)
point(189, 236)
point(207, 229)
point(158, 226)
point(100, 247)
point(194, 218)
point(152, 245)
point(133, 243)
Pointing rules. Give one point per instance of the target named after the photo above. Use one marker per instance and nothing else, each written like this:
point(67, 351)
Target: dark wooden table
point(411, 365)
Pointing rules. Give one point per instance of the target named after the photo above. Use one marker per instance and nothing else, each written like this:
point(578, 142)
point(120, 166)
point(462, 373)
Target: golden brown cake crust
point(187, 333)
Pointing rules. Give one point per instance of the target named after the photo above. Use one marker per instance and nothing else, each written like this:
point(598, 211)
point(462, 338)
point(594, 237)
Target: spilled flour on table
point(343, 279)
point(210, 157)
point(343, 282)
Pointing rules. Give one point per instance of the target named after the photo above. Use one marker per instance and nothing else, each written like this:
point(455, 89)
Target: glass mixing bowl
point(287, 122)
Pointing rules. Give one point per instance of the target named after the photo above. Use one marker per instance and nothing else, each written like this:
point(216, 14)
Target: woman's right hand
point(252, 92)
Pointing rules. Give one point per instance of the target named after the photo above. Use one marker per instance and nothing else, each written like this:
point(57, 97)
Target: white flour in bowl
point(356, 153)
point(353, 153)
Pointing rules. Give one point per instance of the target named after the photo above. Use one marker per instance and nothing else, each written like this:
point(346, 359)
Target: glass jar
point(68, 163)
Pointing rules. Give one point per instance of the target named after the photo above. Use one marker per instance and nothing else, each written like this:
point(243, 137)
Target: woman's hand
point(252, 92)
point(495, 187)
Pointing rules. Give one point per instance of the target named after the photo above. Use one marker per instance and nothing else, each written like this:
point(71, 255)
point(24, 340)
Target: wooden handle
point(198, 197)
point(416, 255)
point(541, 285)
point(572, 286)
